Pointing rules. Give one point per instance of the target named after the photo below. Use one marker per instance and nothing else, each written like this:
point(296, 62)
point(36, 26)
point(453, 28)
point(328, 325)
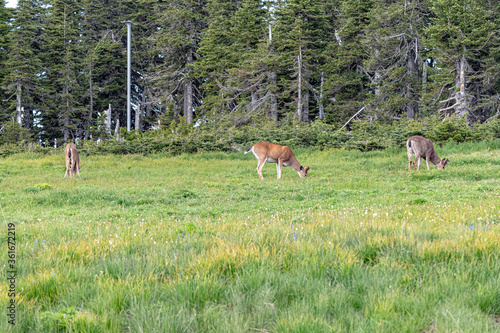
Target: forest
point(228, 65)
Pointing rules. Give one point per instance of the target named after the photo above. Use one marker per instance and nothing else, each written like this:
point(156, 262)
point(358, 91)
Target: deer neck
point(434, 158)
point(294, 163)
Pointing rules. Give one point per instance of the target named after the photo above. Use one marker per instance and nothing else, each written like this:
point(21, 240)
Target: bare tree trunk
point(274, 99)
point(321, 107)
point(424, 78)
point(137, 118)
point(91, 107)
point(305, 107)
point(117, 130)
point(108, 120)
point(461, 99)
point(411, 84)
point(299, 85)
point(18, 105)
point(188, 101)
point(66, 115)
point(188, 95)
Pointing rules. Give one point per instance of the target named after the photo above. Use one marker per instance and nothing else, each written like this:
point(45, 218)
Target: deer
point(273, 153)
point(422, 147)
point(72, 160)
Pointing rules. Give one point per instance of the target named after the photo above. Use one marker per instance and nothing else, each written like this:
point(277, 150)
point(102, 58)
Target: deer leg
point(78, 170)
point(259, 167)
point(427, 161)
point(410, 155)
point(279, 167)
point(68, 166)
point(417, 166)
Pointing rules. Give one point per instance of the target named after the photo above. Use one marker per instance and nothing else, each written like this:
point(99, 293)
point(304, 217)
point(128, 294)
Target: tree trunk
point(91, 106)
point(299, 85)
point(137, 118)
point(117, 130)
point(321, 107)
point(188, 94)
point(411, 84)
point(461, 99)
point(108, 120)
point(274, 99)
point(305, 107)
point(66, 116)
point(424, 78)
point(188, 101)
point(18, 105)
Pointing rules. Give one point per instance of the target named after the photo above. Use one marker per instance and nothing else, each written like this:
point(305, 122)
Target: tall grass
point(198, 243)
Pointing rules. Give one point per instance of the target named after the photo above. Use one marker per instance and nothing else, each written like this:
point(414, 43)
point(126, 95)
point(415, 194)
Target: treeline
point(243, 63)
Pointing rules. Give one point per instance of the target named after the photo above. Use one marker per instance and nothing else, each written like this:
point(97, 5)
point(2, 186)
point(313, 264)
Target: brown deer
point(72, 160)
point(422, 147)
point(273, 153)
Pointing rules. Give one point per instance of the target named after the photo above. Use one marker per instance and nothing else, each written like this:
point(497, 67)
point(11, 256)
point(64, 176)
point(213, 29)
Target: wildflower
point(36, 242)
point(294, 236)
point(183, 233)
point(471, 227)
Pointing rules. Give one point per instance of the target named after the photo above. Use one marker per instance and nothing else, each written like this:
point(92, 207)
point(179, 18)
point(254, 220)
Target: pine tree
point(5, 42)
point(346, 84)
point(463, 36)
point(301, 34)
point(179, 26)
point(63, 56)
point(23, 64)
point(394, 43)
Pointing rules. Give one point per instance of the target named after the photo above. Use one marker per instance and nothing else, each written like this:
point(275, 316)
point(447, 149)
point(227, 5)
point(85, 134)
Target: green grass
point(198, 243)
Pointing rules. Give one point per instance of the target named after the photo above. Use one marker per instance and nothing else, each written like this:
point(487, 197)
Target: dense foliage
point(245, 66)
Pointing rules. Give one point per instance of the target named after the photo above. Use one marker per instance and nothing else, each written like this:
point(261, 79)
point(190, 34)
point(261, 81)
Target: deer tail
point(69, 153)
point(409, 143)
point(248, 150)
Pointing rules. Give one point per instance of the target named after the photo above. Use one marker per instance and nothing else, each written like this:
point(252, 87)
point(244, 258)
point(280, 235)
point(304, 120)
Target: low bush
point(211, 136)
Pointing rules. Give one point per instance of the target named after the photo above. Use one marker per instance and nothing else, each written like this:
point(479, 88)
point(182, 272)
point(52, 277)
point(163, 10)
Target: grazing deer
point(281, 155)
point(72, 160)
point(422, 147)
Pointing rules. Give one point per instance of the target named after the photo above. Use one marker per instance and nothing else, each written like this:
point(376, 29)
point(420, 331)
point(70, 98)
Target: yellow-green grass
point(198, 243)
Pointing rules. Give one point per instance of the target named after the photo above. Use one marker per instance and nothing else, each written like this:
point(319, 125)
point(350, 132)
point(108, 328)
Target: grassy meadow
point(198, 243)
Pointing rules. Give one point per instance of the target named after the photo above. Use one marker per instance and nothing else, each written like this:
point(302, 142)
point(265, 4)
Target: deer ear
point(307, 167)
point(301, 168)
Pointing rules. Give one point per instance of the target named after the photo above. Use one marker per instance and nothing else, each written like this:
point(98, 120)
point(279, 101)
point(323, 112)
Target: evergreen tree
point(5, 17)
point(346, 84)
point(301, 35)
point(23, 65)
point(394, 44)
point(463, 37)
point(63, 55)
point(179, 26)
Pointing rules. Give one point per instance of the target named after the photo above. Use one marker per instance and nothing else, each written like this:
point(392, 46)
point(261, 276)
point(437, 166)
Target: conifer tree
point(178, 30)
point(5, 16)
point(346, 84)
point(394, 43)
point(63, 57)
point(463, 36)
point(23, 65)
point(301, 34)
